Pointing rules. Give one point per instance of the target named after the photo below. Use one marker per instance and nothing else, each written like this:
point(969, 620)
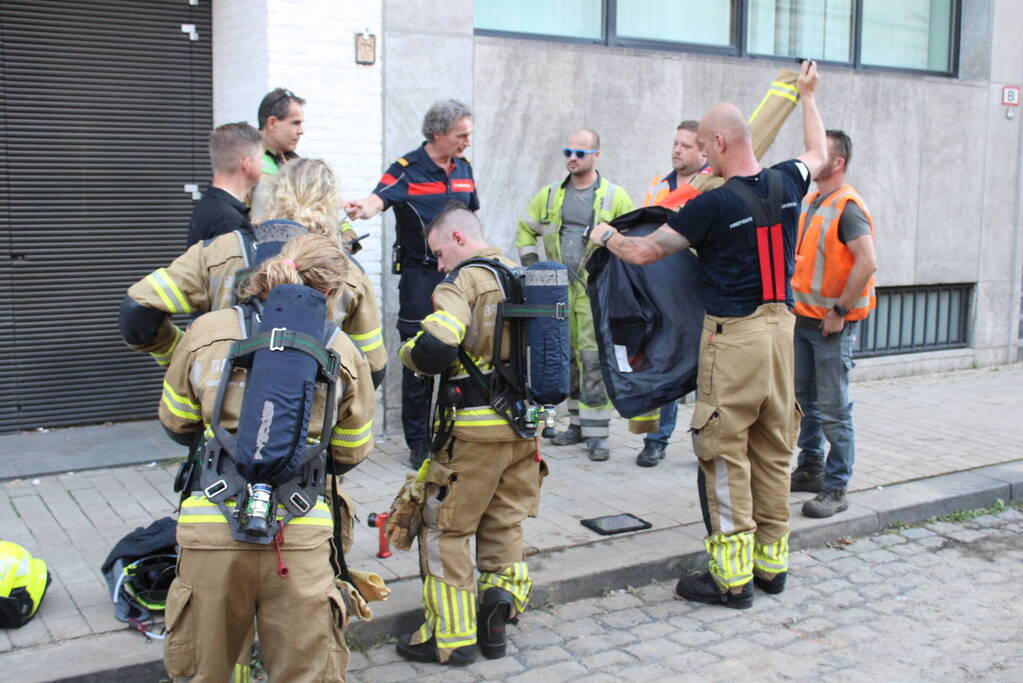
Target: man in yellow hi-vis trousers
point(560, 214)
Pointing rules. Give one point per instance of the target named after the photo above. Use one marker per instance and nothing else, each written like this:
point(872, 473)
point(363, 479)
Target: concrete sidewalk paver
point(937, 602)
point(907, 429)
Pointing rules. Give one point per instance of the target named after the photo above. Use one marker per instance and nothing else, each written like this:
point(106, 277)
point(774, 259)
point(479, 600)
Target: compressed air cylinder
point(279, 389)
point(547, 341)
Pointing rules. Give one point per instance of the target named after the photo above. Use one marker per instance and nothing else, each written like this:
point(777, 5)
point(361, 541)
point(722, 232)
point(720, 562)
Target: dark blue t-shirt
point(723, 232)
point(419, 189)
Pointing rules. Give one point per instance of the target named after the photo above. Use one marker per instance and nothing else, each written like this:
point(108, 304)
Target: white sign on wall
point(1010, 95)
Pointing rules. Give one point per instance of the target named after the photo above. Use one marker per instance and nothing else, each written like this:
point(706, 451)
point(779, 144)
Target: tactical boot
point(417, 455)
point(495, 611)
point(572, 435)
point(773, 585)
point(427, 652)
point(825, 504)
point(598, 449)
point(703, 588)
point(807, 477)
point(651, 454)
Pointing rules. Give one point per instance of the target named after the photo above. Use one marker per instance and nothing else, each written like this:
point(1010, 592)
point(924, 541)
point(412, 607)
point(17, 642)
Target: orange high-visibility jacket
point(823, 262)
point(660, 193)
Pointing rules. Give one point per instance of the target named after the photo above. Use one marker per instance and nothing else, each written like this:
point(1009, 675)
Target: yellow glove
point(371, 586)
point(406, 515)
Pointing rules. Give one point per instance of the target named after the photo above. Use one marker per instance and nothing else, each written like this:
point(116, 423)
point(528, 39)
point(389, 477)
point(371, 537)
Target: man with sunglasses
point(561, 213)
point(281, 115)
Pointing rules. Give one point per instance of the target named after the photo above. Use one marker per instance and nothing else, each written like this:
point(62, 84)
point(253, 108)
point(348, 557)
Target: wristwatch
point(840, 311)
point(606, 237)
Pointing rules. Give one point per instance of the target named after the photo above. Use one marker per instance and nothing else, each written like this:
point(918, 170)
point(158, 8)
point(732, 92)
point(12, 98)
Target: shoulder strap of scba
point(220, 480)
point(255, 252)
point(766, 215)
point(507, 385)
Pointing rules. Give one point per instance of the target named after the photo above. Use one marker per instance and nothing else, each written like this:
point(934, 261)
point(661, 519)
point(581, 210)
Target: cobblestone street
point(940, 601)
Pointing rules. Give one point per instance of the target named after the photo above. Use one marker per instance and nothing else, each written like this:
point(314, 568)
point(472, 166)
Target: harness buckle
point(276, 345)
point(333, 364)
point(300, 502)
point(215, 489)
point(560, 310)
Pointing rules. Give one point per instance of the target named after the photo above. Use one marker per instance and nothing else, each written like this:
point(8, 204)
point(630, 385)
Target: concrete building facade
point(937, 157)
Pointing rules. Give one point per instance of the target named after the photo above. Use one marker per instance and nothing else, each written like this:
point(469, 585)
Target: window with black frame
point(916, 318)
point(916, 35)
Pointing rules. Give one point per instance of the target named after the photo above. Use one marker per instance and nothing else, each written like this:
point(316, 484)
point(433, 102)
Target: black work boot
point(427, 652)
point(825, 504)
point(598, 449)
point(651, 454)
point(773, 585)
point(417, 455)
point(495, 611)
point(807, 477)
point(572, 435)
point(703, 588)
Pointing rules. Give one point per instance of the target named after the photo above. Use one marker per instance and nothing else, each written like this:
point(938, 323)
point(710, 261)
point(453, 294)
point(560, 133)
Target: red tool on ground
point(378, 520)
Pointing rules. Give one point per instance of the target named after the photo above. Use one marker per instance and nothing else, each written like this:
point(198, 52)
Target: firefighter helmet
point(23, 582)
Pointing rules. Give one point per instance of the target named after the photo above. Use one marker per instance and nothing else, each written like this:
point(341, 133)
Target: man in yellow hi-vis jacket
point(485, 480)
point(560, 213)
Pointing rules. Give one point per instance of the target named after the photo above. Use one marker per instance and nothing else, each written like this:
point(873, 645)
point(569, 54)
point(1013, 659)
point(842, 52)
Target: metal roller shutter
point(106, 108)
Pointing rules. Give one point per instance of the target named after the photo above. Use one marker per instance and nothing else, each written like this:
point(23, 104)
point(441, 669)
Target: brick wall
point(309, 47)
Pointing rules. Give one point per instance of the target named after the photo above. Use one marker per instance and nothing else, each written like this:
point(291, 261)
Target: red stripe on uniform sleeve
point(427, 188)
point(388, 179)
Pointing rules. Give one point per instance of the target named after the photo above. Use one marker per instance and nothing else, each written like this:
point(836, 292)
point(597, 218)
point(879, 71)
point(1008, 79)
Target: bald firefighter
point(689, 176)
point(304, 197)
point(256, 534)
point(484, 475)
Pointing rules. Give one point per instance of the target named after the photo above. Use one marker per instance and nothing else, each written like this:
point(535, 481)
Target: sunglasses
point(286, 95)
point(579, 153)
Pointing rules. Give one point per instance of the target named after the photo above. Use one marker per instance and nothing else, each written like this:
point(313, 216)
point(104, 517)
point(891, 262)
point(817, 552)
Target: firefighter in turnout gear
point(484, 479)
point(303, 196)
point(560, 214)
point(288, 585)
point(745, 419)
point(690, 175)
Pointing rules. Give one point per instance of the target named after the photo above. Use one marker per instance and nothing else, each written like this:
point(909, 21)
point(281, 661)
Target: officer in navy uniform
point(418, 186)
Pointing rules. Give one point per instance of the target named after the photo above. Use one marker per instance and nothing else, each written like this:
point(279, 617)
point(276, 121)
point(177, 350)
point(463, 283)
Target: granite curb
point(580, 571)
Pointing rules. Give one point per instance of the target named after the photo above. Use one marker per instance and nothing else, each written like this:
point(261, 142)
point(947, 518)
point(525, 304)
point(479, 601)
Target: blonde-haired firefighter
point(223, 584)
point(303, 196)
point(484, 480)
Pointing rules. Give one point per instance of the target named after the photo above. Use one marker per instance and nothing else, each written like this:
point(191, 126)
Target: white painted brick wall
point(312, 51)
point(239, 59)
point(308, 46)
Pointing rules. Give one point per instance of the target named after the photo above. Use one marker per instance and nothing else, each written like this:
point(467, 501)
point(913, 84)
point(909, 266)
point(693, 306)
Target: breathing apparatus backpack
point(526, 388)
point(267, 468)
